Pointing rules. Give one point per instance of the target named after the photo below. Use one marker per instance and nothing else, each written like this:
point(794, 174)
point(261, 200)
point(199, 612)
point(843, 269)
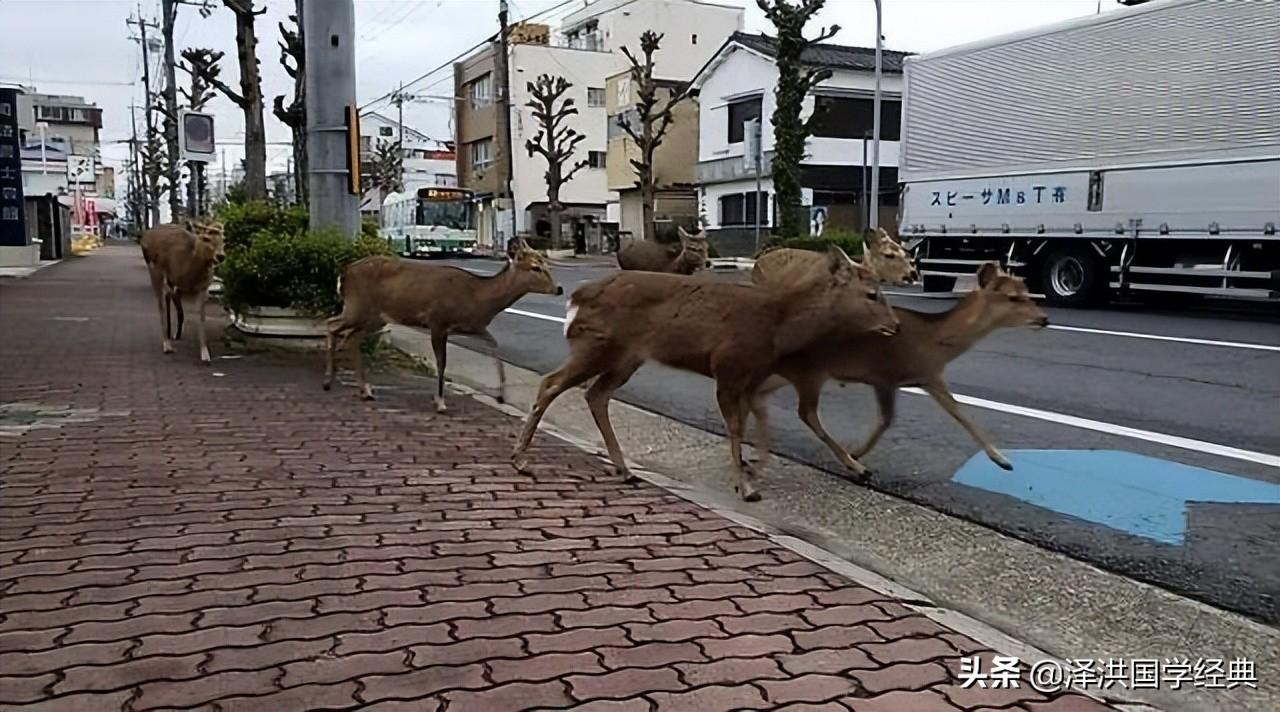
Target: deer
point(181, 259)
point(916, 355)
point(445, 300)
point(651, 256)
point(734, 333)
point(881, 254)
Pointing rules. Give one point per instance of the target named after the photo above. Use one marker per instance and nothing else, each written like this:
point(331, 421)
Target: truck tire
point(937, 283)
point(1072, 277)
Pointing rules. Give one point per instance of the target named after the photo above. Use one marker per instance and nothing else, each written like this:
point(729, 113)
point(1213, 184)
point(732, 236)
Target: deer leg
point(502, 371)
point(598, 396)
point(810, 393)
point(731, 408)
point(176, 298)
point(943, 396)
point(364, 389)
point(886, 399)
point(758, 405)
point(201, 299)
point(577, 370)
point(440, 345)
point(162, 301)
point(336, 332)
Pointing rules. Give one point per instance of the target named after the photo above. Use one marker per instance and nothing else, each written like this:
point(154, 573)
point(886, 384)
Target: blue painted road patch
point(1141, 495)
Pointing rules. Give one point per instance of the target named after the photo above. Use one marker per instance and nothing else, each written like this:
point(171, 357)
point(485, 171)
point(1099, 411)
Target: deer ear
point(837, 259)
point(987, 274)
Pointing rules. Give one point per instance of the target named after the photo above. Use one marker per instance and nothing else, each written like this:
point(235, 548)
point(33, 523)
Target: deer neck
point(501, 290)
point(961, 328)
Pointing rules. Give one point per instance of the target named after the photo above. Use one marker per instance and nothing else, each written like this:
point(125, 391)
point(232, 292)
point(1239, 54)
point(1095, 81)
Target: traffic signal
point(197, 142)
point(353, 150)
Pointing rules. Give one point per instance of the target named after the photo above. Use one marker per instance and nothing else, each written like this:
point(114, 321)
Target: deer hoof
point(1003, 463)
point(367, 394)
point(326, 385)
point(520, 462)
point(629, 479)
point(748, 493)
point(167, 348)
point(441, 407)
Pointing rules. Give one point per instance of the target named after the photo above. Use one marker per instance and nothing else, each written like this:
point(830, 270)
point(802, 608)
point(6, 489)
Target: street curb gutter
point(471, 368)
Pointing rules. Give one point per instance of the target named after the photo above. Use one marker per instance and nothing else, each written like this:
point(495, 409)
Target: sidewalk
point(234, 538)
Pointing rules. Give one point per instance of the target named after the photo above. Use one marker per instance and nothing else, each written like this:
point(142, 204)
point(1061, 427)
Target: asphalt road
point(1196, 391)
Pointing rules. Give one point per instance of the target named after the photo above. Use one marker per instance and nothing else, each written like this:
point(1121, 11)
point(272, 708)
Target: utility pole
point(170, 9)
point(503, 100)
point(875, 130)
point(134, 173)
point(329, 39)
point(153, 207)
point(399, 98)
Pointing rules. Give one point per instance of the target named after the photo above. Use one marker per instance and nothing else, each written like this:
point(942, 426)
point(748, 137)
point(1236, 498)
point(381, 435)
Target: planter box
point(274, 321)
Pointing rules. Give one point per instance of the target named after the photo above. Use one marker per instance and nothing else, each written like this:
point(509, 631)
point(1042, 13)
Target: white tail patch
point(339, 285)
point(568, 317)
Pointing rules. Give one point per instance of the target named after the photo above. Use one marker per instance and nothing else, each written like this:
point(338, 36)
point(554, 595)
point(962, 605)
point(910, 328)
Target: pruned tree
point(387, 174)
point(153, 154)
point(795, 81)
point(555, 141)
point(249, 98)
point(200, 93)
point(651, 122)
point(295, 114)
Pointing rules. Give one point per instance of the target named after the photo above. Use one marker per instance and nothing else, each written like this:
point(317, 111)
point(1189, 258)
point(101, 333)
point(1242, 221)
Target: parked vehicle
point(430, 221)
point(1132, 151)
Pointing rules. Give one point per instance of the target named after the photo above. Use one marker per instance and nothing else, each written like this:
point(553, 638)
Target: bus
point(431, 221)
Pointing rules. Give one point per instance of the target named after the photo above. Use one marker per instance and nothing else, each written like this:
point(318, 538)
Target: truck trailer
point(1136, 151)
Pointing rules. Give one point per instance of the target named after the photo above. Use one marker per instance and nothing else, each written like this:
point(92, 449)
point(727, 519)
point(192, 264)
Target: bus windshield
point(454, 214)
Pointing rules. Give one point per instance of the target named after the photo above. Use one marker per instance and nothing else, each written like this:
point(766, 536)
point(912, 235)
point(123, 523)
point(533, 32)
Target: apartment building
point(737, 86)
point(585, 50)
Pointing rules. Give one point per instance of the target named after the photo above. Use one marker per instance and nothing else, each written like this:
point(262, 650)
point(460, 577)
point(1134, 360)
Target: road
point(1145, 441)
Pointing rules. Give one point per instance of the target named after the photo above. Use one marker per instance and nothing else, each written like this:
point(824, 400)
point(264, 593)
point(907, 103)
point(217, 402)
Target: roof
point(832, 56)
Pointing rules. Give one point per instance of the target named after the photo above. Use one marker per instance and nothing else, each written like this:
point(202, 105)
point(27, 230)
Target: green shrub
point(241, 222)
point(848, 240)
point(298, 270)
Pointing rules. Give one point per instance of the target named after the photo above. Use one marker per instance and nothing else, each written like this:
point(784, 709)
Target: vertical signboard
point(12, 224)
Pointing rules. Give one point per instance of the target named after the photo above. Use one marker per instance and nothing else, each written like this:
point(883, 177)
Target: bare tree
point(295, 114)
point(196, 97)
point(387, 171)
point(795, 81)
point(249, 98)
point(653, 122)
point(555, 141)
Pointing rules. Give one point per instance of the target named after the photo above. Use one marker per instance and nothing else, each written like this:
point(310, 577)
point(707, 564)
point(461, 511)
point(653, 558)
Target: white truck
point(1132, 151)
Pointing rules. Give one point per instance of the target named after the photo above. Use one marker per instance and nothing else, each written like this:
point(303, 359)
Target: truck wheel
point(1072, 277)
point(937, 283)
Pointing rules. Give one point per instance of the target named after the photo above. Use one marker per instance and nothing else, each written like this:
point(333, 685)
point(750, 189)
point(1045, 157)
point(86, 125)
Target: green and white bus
point(431, 221)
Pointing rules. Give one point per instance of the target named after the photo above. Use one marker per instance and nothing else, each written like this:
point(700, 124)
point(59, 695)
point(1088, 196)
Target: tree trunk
point(554, 208)
point(647, 192)
point(255, 135)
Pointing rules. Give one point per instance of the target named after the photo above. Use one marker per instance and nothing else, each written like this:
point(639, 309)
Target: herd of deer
point(805, 318)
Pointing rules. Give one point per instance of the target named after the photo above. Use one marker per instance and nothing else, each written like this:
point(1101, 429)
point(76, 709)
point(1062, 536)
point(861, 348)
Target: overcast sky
point(83, 47)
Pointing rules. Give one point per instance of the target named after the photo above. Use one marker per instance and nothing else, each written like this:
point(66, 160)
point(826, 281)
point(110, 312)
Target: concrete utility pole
point(875, 130)
point(153, 205)
point(329, 39)
point(170, 10)
point(502, 89)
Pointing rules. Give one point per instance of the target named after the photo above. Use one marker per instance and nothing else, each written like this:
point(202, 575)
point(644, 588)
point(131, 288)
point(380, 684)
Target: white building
point(737, 85)
point(586, 50)
point(425, 161)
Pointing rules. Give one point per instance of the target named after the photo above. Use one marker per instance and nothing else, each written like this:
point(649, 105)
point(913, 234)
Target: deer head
point(531, 271)
point(693, 250)
point(857, 295)
point(210, 242)
point(1004, 301)
point(888, 259)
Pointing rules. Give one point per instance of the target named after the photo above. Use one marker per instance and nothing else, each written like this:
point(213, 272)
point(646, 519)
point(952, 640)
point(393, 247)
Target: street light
point(875, 131)
point(44, 159)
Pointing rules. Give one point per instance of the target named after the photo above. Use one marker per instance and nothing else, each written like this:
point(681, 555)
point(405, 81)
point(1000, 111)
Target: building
point(70, 122)
point(424, 161)
point(737, 85)
point(674, 163)
point(586, 50)
point(55, 129)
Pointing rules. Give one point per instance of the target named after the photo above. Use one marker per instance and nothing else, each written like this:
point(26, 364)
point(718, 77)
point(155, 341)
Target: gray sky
point(82, 47)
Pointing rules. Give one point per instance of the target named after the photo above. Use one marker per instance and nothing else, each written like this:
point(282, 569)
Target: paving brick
point(262, 657)
point(106, 702)
point(204, 689)
point(64, 657)
point(544, 667)
point(974, 696)
point(900, 676)
point(436, 612)
point(466, 651)
point(745, 646)
point(17, 690)
point(763, 623)
point(836, 636)
point(909, 650)
point(512, 626)
point(672, 630)
point(512, 696)
point(255, 613)
point(911, 626)
point(826, 660)
point(330, 669)
point(650, 655)
point(313, 698)
point(422, 683)
point(924, 701)
point(604, 616)
point(391, 639)
point(132, 627)
point(1067, 703)
point(576, 640)
point(537, 603)
point(845, 615)
point(324, 626)
point(814, 687)
point(730, 671)
point(623, 683)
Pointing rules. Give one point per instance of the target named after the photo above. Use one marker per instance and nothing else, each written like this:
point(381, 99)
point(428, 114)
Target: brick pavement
point(231, 537)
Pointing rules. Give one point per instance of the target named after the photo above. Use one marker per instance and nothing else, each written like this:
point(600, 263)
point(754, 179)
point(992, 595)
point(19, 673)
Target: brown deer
point(445, 300)
point(651, 256)
point(914, 356)
point(734, 333)
point(181, 260)
point(881, 254)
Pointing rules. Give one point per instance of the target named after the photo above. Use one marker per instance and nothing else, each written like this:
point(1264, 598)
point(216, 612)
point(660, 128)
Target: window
point(480, 91)
point(740, 112)
point(446, 179)
point(481, 153)
point(693, 39)
point(852, 117)
point(595, 97)
point(386, 131)
point(596, 159)
point(740, 209)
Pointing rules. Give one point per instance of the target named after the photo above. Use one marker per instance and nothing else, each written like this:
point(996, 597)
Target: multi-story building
point(586, 51)
point(737, 86)
point(70, 122)
point(424, 160)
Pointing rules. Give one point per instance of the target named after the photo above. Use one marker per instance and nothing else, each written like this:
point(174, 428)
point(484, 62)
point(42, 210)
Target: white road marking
point(1177, 441)
point(1158, 337)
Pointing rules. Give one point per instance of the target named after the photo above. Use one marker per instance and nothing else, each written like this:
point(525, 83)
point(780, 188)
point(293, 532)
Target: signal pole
point(170, 10)
point(153, 200)
point(329, 40)
point(503, 101)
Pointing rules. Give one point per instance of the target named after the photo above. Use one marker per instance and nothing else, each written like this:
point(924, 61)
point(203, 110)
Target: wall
point(676, 158)
point(693, 31)
point(472, 124)
point(583, 69)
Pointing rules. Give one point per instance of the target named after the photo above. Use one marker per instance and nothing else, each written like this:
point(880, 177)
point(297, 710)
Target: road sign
point(1145, 496)
point(197, 142)
point(80, 169)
